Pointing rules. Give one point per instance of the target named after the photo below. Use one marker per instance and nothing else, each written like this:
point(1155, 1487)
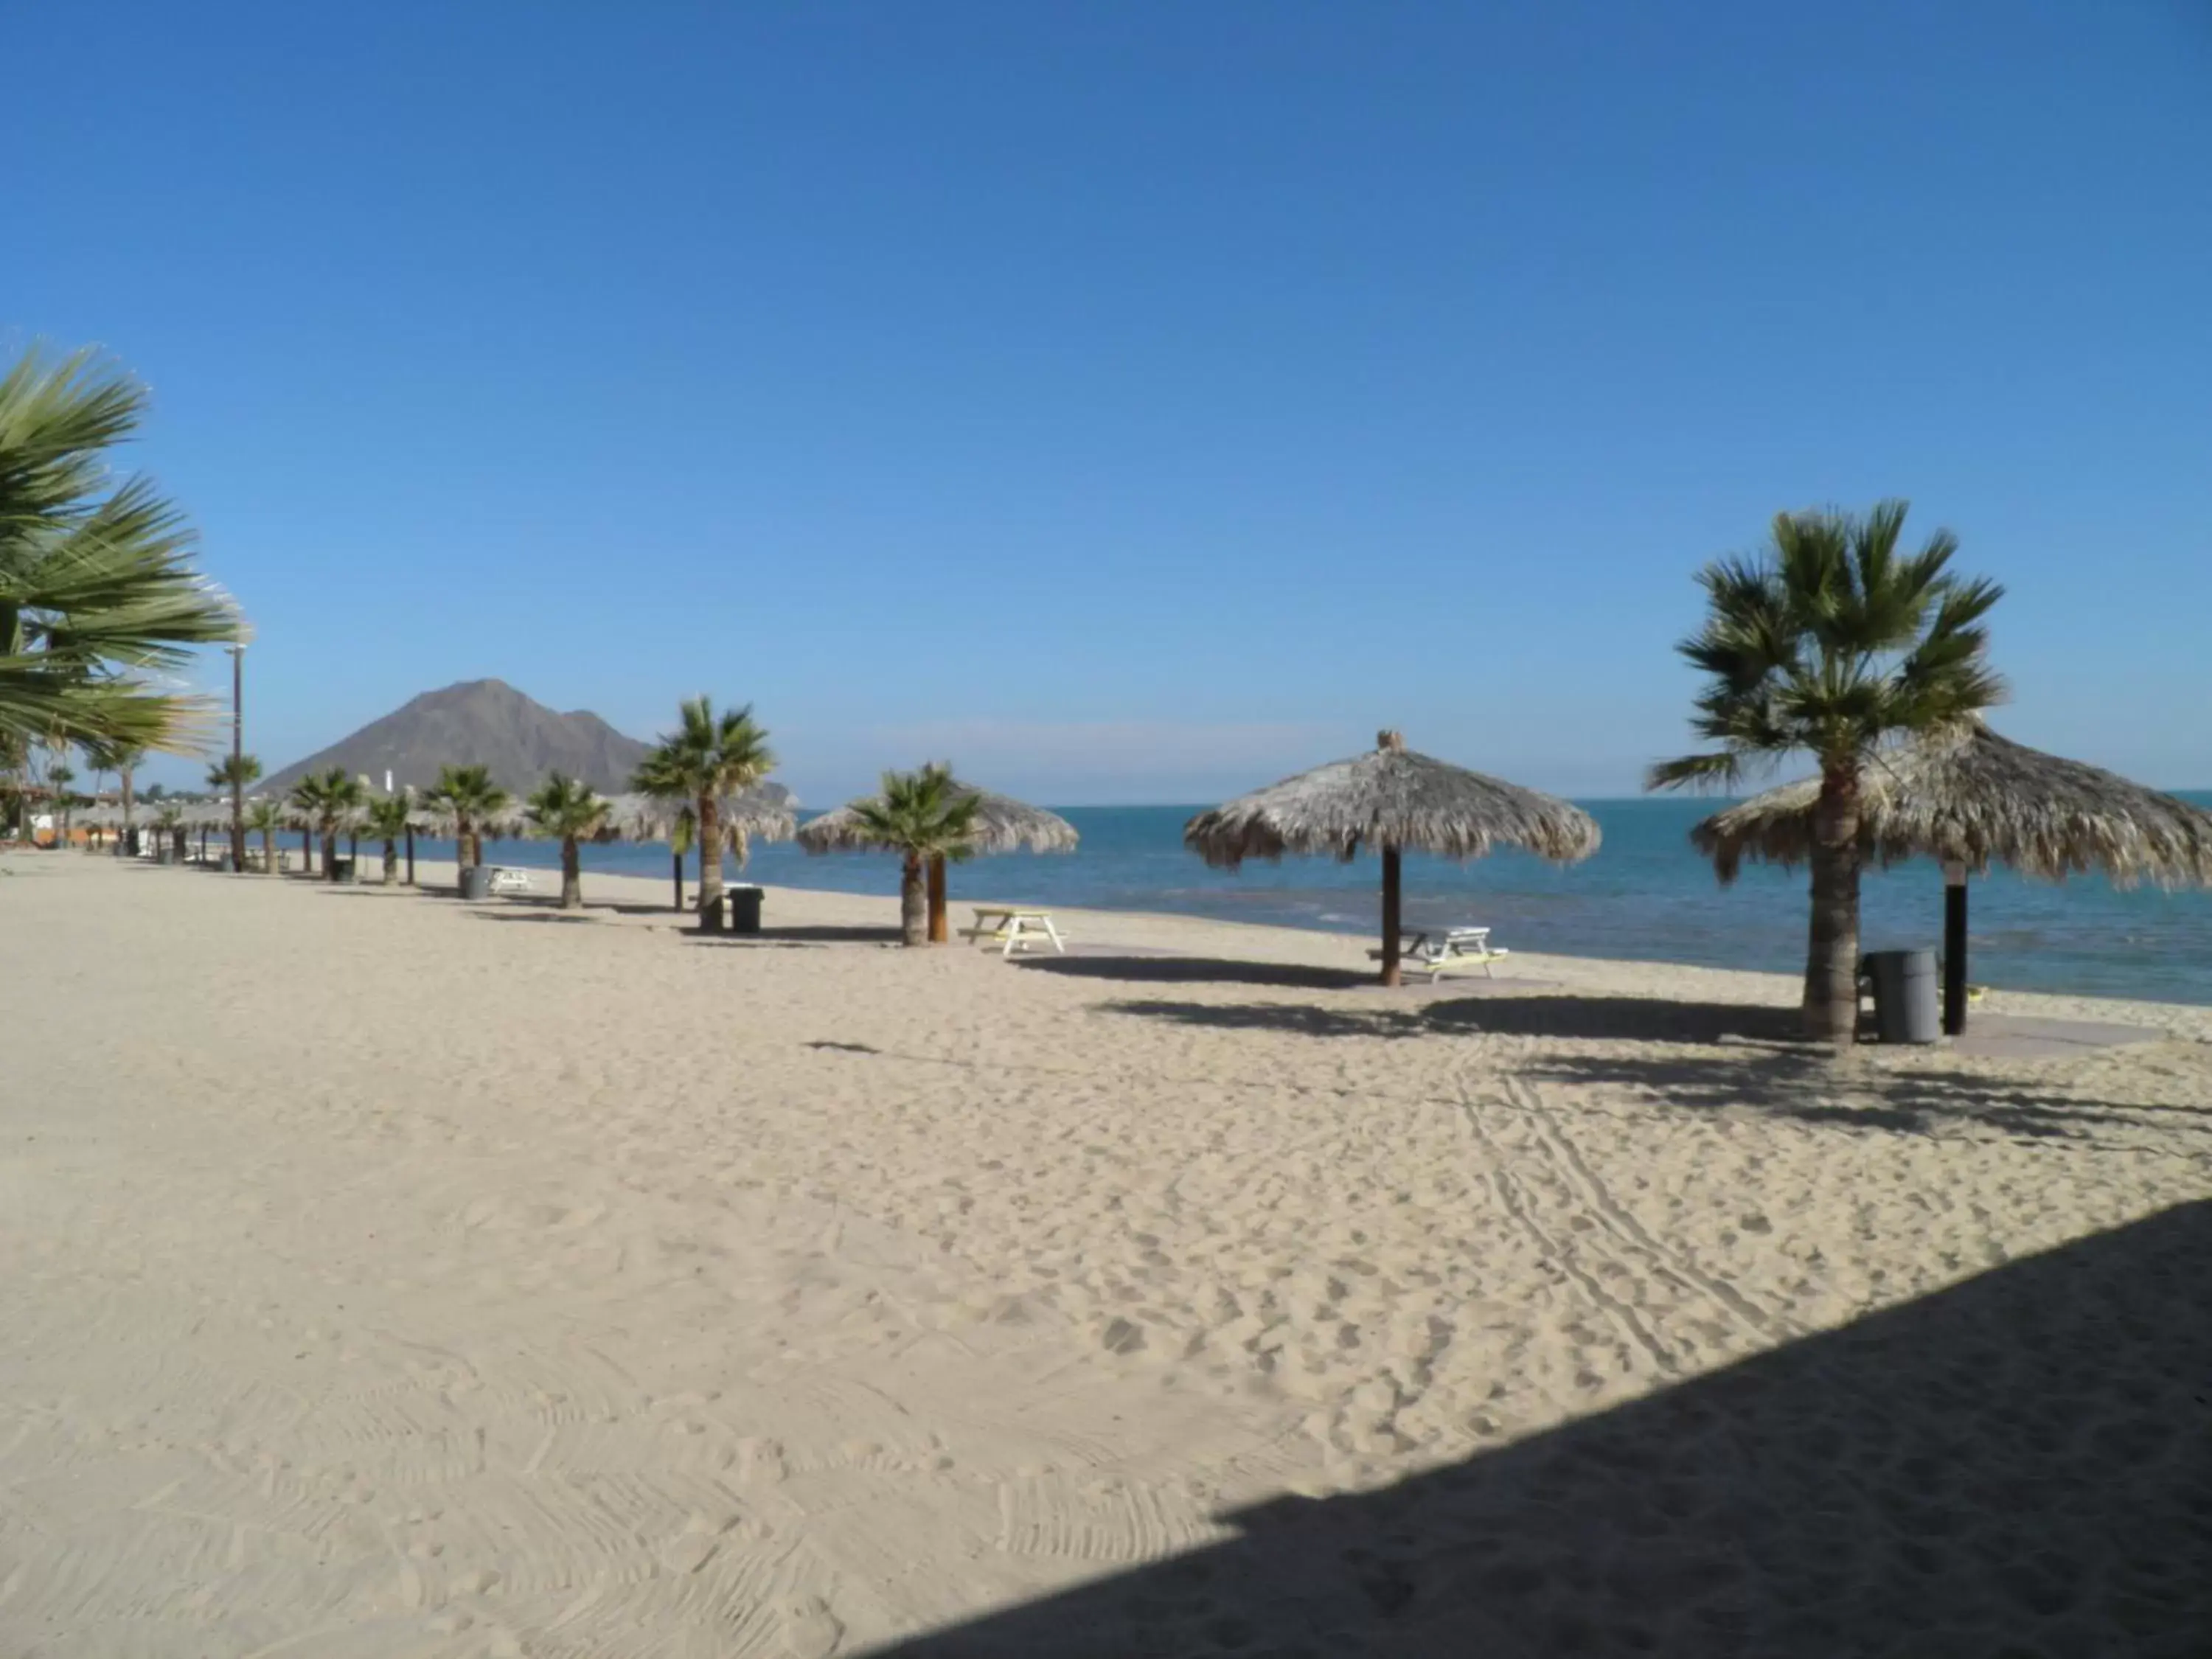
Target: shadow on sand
point(1804, 1085)
point(822, 935)
point(1195, 970)
point(1637, 1019)
point(1762, 1064)
point(2018, 1466)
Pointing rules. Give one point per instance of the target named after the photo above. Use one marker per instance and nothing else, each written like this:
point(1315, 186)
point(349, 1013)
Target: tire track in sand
point(1575, 1172)
point(1522, 1210)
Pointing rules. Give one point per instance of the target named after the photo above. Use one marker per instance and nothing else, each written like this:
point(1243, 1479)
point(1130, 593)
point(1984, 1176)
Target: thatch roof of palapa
point(1390, 797)
point(506, 824)
point(1979, 798)
point(764, 812)
point(203, 814)
point(1003, 824)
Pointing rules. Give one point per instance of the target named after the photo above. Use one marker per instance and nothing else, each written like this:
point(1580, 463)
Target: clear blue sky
point(1136, 402)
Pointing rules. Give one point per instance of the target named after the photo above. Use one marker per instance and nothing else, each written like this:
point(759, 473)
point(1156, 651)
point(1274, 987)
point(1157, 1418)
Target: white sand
point(380, 1275)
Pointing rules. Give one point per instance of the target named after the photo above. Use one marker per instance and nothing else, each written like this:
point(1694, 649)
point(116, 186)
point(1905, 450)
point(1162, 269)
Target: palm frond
point(1831, 642)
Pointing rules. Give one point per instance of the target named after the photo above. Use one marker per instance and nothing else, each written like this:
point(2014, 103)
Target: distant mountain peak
point(483, 722)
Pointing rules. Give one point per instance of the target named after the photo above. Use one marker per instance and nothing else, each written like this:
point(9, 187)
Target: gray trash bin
point(1904, 1001)
point(744, 908)
point(476, 882)
point(341, 868)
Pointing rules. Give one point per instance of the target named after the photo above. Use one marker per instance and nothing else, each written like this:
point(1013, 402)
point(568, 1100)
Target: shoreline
point(1276, 943)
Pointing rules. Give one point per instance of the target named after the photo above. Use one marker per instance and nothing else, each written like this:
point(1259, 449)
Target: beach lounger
point(1455, 951)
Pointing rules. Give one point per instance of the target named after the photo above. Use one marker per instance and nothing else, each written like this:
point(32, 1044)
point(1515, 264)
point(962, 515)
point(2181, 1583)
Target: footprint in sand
point(809, 1630)
point(760, 1459)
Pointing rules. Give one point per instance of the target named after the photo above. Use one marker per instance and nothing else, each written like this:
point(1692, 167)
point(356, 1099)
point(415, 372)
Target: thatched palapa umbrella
point(1971, 800)
point(764, 812)
point(205, 816)
point(1002, 824)
point(1391, 799)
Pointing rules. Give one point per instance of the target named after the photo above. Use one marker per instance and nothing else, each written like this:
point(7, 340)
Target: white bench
point(1455, 951)
point(1012, 930)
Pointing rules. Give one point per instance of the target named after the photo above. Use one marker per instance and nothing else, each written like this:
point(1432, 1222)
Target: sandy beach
point(385, 1275)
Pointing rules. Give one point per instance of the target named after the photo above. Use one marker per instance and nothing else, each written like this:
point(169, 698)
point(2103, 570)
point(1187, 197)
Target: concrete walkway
point(2023, 1037)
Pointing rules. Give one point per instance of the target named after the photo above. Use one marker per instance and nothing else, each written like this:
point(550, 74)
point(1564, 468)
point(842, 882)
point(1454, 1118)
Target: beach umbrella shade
point(1002, 824)
point(1971, 798)
point(766, 811)
point(1393, 801)
point(205, 816)
point(506, 824)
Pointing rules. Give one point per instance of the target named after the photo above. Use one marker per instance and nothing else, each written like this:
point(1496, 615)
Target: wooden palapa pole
point(1390, 925)
point(1390, 741)
point(1954, 949)
point(940, 931)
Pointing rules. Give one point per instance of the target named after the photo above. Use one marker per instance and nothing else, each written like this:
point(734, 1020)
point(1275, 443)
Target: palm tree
point(306, 802)
point(268, 817)
point(706, 759)
point(923, 816)
point(124, 759)
point(233, 776)
point(59, 776)
point(1831, 642)
point(386, 818)
point(169, 830)
point(564, 807)
point(328, 800)
point(468, 793)
point(96, 584)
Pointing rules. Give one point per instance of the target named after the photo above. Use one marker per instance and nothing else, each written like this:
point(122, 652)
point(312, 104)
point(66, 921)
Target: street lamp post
point(238, 759)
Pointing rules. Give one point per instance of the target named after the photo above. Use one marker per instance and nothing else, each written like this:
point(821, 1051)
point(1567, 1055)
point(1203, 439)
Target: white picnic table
point(1013, 928)
point(1452, 950)
point(507, 879)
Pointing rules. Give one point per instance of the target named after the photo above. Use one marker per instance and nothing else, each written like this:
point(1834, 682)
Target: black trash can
point(341, 868)
point(476, 882)
point(744, 905)
point(1906, 1004)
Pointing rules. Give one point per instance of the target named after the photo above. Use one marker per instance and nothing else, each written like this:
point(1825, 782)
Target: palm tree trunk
point(572, 875)
point(1831, 961)
point(676, 859)
point(307, 850)
point(391, 863)
point(461, 847)
point(914, 902)
point(710, 853)
point(330, 855)
point(939, 931)
point(268, 851)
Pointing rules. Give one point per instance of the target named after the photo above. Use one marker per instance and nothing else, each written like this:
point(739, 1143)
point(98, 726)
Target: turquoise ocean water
point(1646, 895)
